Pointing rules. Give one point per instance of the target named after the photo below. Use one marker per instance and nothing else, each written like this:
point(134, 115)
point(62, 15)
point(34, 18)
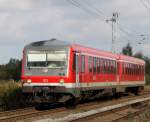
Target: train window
point(110, 66)
point(98, 65)
point(101, 65)
point(123, 68)
point(135, 69)
point(129, 69)
point(114, 67)
point(104, 66)
point(74, 61)
point(83, 63)
point(126, 68)
point(138, 69)
point(77, 68)
point(90, 64)
point(95, 62)
point(141, 71)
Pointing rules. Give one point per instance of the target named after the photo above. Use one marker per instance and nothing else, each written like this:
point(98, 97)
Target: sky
point(79, 21)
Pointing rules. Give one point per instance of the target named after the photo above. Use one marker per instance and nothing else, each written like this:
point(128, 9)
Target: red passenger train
point(58, 71)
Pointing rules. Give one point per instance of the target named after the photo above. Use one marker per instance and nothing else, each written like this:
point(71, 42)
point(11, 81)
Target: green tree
point(11, 70)
point(139, 55)
point(127, 50)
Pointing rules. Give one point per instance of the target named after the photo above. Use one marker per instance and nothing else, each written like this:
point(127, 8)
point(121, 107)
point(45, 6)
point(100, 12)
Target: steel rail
point(22, 114)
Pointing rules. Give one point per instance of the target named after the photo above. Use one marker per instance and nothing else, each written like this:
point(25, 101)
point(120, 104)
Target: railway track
point(22, 114)
point(111, 113)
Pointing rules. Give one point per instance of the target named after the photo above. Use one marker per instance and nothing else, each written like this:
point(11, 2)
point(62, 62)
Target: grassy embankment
point(11, 96)
point(147, 79)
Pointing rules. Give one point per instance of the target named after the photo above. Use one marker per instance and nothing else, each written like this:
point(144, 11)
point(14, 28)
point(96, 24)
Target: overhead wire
point(94, 8)
point(95, 11)
point(145, 5)
point(84, 8)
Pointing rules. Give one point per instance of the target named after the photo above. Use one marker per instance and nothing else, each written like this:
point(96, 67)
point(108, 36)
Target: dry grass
point(11, 95)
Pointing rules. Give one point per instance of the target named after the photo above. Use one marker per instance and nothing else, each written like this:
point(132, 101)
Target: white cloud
point(23, 21)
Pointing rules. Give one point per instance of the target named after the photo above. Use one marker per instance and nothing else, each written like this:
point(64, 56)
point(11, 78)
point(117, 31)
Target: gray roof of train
point(48, 44)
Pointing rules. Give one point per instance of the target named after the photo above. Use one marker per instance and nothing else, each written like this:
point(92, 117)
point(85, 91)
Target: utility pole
point(114, 27)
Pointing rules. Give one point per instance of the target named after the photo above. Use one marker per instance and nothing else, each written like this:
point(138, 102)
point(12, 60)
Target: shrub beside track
point(11, 96)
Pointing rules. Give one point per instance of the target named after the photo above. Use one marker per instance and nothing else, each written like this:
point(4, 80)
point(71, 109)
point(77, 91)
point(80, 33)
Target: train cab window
point(83, 63)
point(94, 66)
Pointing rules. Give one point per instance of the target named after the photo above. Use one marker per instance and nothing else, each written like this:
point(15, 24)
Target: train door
point(118, 72)
point(77, 84)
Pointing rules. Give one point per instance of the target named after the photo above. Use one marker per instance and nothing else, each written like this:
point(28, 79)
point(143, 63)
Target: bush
point(11, 96)
point(147, 79)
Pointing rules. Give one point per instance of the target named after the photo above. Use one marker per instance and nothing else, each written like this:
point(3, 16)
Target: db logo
point(45, 80)
point(45, 70)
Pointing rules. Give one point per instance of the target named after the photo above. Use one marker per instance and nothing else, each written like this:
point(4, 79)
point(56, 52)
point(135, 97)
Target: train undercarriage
point(70, 97)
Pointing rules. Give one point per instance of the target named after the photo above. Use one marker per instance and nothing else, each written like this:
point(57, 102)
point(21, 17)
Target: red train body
point(56, 71)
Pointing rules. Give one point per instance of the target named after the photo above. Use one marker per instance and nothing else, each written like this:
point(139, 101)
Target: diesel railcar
point(58, 71)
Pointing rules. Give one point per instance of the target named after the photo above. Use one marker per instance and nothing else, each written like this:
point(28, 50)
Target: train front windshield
point(53, 59)
point(50, 60)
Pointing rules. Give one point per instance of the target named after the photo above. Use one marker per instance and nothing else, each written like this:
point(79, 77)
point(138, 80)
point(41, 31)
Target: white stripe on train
point(96, 84)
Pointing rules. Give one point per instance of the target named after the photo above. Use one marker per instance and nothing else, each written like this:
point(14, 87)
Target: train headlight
point(61, 81)
point(29, 81)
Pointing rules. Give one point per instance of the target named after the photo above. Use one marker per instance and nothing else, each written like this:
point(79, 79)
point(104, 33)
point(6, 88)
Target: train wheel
point(72, 103)
point(138, 90)
point(41, 106)
point(118, 95)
